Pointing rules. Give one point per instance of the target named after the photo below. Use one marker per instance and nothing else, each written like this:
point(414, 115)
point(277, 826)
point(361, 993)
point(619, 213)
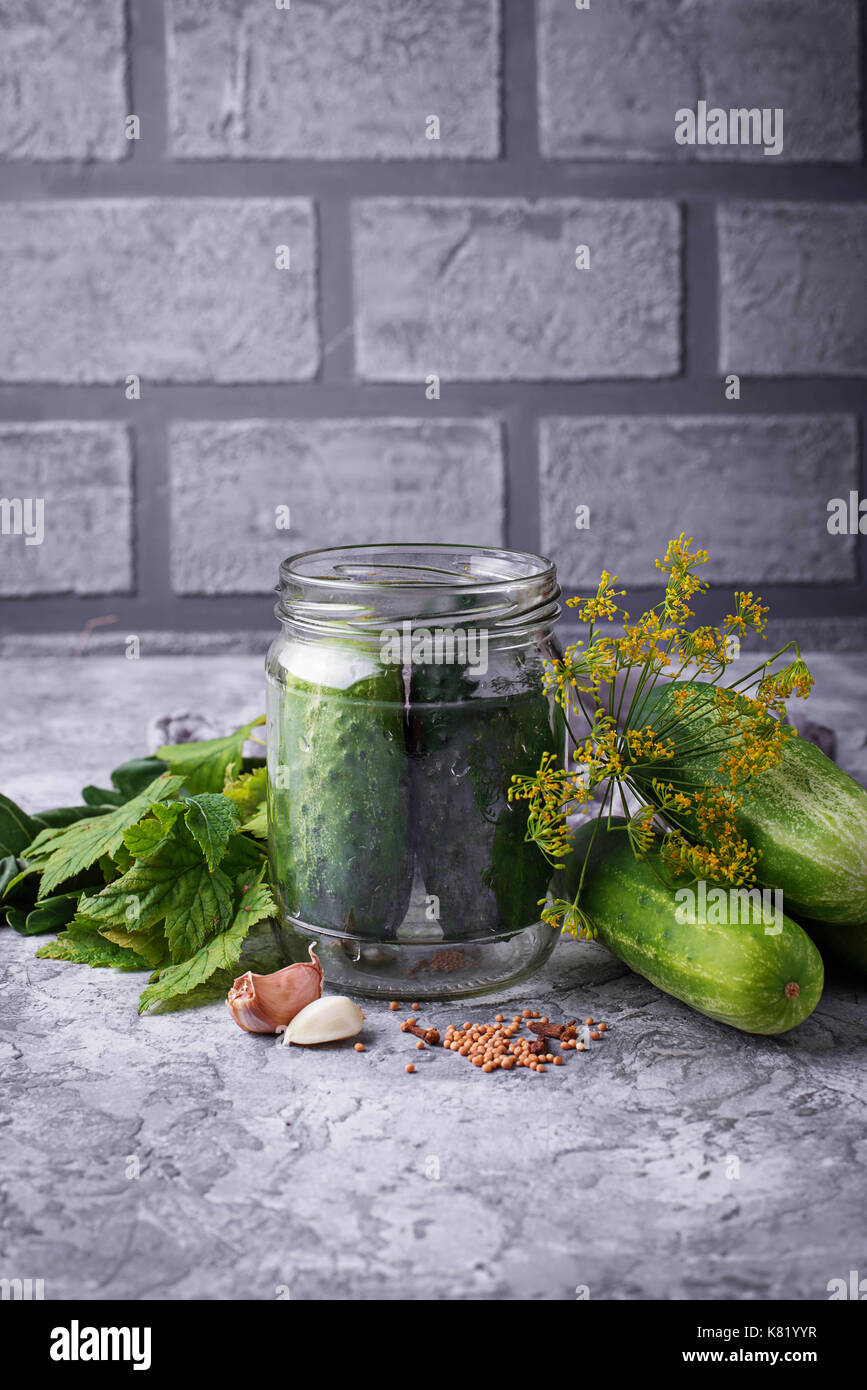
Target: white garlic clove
point(266, 1003)
point(325, 1020)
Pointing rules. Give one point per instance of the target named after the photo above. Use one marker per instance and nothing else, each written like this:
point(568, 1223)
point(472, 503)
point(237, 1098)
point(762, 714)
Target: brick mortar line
point(700, 308)
point(519, 97)
point(31, 402)
point(152, 550)
point(504, 178)
point(146, 83)
point(523, 479)
point(335, 292)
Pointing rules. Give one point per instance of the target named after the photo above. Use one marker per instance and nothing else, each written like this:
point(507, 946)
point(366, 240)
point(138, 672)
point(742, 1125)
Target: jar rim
point(362, 588)
point(538, 566)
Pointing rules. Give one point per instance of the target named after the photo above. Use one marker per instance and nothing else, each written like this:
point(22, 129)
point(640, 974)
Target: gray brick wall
point(610, 80)
point(425, 480)
point(175, 290)
point(364, 78)
point(63, 80)
point(488, 290)
point(793, 286)
point(734, 482)
point(78, 479)
point(328, 205)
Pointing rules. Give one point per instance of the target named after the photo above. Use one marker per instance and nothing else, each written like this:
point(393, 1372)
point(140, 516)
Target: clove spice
point(565, 1032)
point(428, 1035)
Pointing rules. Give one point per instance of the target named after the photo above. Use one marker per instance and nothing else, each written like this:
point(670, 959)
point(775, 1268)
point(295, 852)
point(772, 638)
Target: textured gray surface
point(188, 290)
point(63, 80)
point(334, 1174)
point(789, 296)
point(327, 79)
point(732, 480)
point(491, 289)
point(82, 474)
point(612, 76)
point(403, 477)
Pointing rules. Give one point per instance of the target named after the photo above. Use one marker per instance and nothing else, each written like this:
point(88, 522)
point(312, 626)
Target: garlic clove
point(325, 1020)
point(267, 1003)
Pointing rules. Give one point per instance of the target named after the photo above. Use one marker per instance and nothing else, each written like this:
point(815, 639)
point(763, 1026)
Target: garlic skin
point(266, 1003)
point(325, 1020)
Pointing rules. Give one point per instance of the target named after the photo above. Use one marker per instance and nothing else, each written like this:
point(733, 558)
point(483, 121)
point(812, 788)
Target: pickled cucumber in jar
point(339, 786)
point(467, 739)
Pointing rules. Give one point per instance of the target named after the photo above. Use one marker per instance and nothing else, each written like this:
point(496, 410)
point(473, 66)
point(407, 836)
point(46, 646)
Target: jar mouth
point(363, 588)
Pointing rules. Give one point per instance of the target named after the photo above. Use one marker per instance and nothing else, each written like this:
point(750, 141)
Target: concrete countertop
point(677, 1159)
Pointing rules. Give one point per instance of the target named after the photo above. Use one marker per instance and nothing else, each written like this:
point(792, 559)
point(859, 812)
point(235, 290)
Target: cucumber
point(520, 873)
point(339, 827)
point(807, 817)
point(469, 838)
point(846, 944)
point(733, 972)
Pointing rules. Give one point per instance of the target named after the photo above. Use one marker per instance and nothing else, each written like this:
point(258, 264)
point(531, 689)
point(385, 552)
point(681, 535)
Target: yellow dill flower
point(733, 863)
point(749, 615)
point(602, 604)
point(679, 563)
point(707, 647)
point(649, 640)
point(667, 798)
point(644, 745)
point(639, 829)
point(777, 686)
point(569, 918)
point(552, 793)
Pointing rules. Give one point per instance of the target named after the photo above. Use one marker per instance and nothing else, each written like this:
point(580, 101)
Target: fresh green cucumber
point(735, 972)
point(466, 744)
point(806, 817)
point(339, 828)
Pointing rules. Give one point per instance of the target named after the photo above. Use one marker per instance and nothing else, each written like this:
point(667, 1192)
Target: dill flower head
point(553, 794)
point(627, 755)
point(602, 604)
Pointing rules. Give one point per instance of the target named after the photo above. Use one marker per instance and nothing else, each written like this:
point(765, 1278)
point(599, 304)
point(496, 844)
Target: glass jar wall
point(404, 691)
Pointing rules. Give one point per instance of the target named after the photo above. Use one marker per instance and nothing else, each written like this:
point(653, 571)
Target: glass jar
point(404, 691)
